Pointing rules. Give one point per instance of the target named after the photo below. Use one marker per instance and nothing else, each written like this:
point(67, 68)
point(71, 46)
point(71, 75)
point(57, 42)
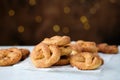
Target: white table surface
point(111, 72)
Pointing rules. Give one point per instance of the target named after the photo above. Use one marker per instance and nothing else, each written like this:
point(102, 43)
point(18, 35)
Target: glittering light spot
point(83, 19)
point(65, 30)
point(66, 10)
point(32, 2)
point(86, 26)
point(11, 12)
point(20, 29)
point(56, 28)
point(92, 10)
point(38, 19)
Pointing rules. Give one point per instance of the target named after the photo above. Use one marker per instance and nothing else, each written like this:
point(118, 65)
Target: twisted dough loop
point(109, 49)
point(65, 50)
point(9, 56)
point(83, 46)
point(86, 61)
point(44, 56)
point(87, 46)
point(57, 40)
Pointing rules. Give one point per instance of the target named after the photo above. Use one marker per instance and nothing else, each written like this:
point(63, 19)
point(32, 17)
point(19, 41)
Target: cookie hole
point(93, 59)
point(64, 57)
point(66, 46)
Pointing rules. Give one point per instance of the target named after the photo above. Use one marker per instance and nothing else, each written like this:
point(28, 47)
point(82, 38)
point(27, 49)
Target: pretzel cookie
point(57, 40)
point(86, 61)
point(83, 46)
point(108, 49)
point(9, 56)
point(44, 55)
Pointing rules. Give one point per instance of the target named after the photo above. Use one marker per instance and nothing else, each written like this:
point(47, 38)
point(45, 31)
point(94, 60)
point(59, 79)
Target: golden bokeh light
point(65, 30)
point(66, 10)
point(21, 29)
point(83, 19)
point(92, 10)
point(11, 12)
point(38, 19)
point(32, 2)
point(86, 26)
point(56, 28)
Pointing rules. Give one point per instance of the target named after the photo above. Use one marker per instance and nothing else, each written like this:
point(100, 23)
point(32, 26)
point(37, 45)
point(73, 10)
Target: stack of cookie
point(52, 51)
point(11, 56)
point(85, 56)
point(62, 42)
point(59, 50)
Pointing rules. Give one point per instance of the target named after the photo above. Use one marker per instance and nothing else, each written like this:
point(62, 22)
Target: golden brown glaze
point(107, 49)
point(57, 40)
point(44, 56)
point(86, 61)
point(9, 56)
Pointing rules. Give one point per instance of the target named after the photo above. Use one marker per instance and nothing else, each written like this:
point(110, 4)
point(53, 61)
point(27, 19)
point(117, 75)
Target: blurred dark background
point(27, 22)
